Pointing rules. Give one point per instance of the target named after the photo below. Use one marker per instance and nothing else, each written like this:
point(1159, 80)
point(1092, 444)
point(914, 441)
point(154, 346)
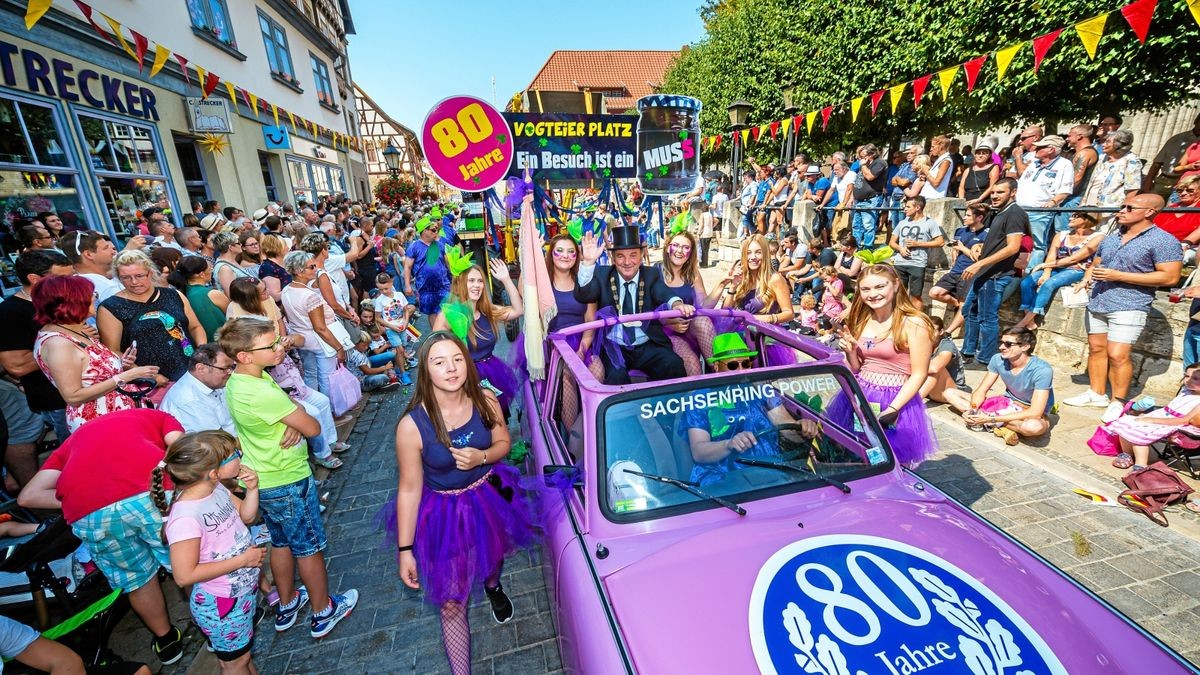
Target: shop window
point(268, 176)
point(275, 40)
point(321, 78)
point(212, 16)
point(130, 175)
point(313, 180)
point(301, 183)
point(194, 179)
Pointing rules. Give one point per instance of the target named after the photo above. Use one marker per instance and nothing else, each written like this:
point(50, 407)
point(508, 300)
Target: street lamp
point(789, 108)
point(391, 157)
point(739, 113)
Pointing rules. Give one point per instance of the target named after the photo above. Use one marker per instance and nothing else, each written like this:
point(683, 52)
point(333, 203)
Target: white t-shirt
point(335, 265)
point(104, 287)
point(390, 309)
point(718, 204)
point(845, 187)
point(1040, 182)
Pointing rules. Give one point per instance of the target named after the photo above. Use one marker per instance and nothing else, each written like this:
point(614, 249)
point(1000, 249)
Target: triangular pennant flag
point(34, 11)
point(972, 69)
point(919, 86)
point(201, 75)
point(787, 124)
point(161, 54)
point(825, 113)
point(251, 101)
point(140, 45)
point(274, 112)
point(1138, 14)
point(1090, 32)
point(762, 131)
point(211, 83)
point(745, 134)
point(855, 106)
point(1041, 45)
point(232, 91)
point(796, 120)
point(1194, 6)
point(86, 9)
point(183, 64)
point(809, 118)
point(755, 132)
point(292, 119)
point(1004, 57)
point(897, 92)
point(717, 142)
point(774, 129)
point(876, 97)
point(946, 78)
point(116, 29)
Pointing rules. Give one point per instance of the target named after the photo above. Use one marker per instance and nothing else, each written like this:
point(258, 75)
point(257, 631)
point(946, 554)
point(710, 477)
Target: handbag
point(1151, 489)
point(1072, 298)
point(1104, 442)
point(343, 337)
point(344, 391)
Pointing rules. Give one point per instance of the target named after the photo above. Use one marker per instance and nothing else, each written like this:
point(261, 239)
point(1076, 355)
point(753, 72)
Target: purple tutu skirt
point(500, 375)
point(464, 535)
point(912, 438)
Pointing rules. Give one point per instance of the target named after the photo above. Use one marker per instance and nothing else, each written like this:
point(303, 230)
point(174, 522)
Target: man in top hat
point(630, 288)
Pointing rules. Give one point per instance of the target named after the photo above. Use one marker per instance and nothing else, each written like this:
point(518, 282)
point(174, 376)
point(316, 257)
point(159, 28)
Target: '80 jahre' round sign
point(466, 142)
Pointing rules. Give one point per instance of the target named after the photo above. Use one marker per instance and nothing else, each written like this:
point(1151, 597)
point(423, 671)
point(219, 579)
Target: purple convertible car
point(800, 555)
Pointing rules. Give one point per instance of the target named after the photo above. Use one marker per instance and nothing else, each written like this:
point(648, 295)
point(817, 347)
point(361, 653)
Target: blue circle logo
point(853, 605)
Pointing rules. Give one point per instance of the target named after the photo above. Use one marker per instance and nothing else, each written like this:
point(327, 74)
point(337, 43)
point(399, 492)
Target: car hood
point(879, 585)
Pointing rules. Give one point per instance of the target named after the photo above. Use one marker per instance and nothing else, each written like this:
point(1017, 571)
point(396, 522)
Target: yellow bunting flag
point(946, 78)
point(1004, 57)
point(292, 119)
point(34, 12)
point(1090, 32)
point(855, 106)
point(897, 92)
point(1194, 5)
point(253, 100)
point(809, 118)
point(787, 122)
point(116, 29)
point(275, 113)
point(161, 54)
point(745, 136)
point(201, 76)
point(763, 131)
point(232, 94)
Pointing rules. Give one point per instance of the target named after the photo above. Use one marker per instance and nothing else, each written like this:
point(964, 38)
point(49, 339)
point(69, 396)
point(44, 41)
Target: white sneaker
point(1088, 399)
point(1112, 412)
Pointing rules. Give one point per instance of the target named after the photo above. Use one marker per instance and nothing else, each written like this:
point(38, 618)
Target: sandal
point(1123, 461)
point(329, 462)
point(340, 446)
point(1192, 505)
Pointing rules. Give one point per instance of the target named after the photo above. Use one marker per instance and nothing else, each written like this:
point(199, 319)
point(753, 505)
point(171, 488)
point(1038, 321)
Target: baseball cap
point(1056, 142)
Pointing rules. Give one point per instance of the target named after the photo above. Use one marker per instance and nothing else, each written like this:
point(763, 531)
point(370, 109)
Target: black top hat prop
point(625, 237)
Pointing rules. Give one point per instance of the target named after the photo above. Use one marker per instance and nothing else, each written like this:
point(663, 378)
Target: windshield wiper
point(688, 487)
point(795, 469)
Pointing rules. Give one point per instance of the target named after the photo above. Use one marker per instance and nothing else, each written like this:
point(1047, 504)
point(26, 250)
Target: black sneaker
point(502, 607)
point(169, 648)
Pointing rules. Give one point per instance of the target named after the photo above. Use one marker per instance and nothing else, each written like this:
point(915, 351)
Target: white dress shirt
point(197, 407)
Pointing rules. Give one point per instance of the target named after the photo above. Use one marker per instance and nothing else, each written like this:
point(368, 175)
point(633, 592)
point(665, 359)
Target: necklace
point(83, 335)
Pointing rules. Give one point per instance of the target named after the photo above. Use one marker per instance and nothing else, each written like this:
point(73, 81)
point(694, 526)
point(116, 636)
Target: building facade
point(379, 131)
point(88, 133)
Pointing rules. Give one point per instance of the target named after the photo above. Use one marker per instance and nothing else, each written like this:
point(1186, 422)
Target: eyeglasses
point(743, 364)
point(1188, 189)
point(237, 454)
point(681, 248)
point(1025, 138)
point(1008, 343)
point(277, 343)
point(252, 244)
point(223, 369)
point(133, 277)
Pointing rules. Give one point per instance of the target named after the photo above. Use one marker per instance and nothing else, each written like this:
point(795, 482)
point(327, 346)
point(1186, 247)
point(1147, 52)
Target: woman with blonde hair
point(476, 321)
point(888, 343)
point(271, 269)
point(753, 287)
point(690, 338)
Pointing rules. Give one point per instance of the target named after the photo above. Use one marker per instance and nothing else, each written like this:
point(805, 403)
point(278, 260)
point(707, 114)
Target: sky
point(410, 54)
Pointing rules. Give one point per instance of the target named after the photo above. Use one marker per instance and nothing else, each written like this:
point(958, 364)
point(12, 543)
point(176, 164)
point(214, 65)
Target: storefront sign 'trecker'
point(58, 79)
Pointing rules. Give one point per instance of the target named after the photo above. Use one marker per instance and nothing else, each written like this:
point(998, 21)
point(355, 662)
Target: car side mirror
point(562, 475)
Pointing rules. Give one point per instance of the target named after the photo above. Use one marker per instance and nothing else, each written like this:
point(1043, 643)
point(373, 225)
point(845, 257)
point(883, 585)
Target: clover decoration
point(543, 142)
point(649, 175)
point(501, 139)
point(575, 147)
point(459, 262)
point(664, 170)
point(683, 135)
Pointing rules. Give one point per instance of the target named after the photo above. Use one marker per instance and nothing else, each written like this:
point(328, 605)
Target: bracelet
point(402, 549)
point(484, 457)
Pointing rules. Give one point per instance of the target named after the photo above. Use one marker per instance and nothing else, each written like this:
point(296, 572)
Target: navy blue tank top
point(570, 310)
point(485, 339)
point(685, 292)
point(436, 460)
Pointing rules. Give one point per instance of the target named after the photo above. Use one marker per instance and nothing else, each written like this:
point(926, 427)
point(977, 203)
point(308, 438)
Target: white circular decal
point(853, 605)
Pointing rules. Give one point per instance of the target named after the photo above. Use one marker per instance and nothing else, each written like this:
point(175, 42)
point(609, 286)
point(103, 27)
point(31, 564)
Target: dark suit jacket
point(656, 294)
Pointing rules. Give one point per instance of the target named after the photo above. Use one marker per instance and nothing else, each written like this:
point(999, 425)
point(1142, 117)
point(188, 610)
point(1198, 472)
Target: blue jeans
point(1036, 300)
point(866, 222)
point(1062, 220)
point(293, 517)
point(373, 382)
point(1041, 224)
point(897, 205)
point(981, 311)
point(58, 420)
point(317, 369)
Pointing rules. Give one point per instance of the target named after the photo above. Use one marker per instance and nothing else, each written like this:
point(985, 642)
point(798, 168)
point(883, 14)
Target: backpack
point(1151, 489)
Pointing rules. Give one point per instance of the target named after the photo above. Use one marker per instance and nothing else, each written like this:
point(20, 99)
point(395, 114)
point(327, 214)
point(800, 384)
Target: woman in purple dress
point(562, 261)
point(459, 509)
point(691, 339)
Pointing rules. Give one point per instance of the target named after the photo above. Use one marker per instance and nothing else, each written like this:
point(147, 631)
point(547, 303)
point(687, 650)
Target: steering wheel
point(138, 388)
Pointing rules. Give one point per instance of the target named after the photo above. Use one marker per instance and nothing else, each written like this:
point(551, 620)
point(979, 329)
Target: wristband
point(402, 549)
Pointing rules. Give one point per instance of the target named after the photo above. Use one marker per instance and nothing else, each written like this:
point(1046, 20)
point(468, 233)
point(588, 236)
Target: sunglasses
point(1025, 138)
point(275, 344)
point(1127, 207)
point(743, 364)
point(237, 454)
point(1008, 343)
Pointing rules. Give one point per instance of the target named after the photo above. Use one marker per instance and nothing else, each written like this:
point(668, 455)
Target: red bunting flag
point(183, 64)
point(86, 9)
point(1138, 14)
point(210, 83)
point(919, 85)
point(825, 113)
point(1041, 45)
point(875, 99)
point(734, 138)
point(774, 129)
point(973, 67)
point(140, 45)
point(754, 132)
point(717, 143)
point(796, 124)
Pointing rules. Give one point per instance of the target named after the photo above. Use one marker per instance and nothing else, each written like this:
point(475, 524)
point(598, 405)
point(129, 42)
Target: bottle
point(1143, 404)
point(668, 150)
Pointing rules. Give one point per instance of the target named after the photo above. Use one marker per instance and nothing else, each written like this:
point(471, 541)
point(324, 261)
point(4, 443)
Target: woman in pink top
point(888, 342)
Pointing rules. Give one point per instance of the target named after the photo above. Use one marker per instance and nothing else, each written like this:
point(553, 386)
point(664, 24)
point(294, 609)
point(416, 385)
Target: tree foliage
point(835, 52)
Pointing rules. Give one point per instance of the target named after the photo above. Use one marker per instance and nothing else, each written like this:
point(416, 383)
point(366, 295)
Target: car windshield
point(735, 439)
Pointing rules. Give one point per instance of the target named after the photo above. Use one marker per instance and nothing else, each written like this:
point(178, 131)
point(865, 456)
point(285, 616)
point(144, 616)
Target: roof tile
point(639, 72)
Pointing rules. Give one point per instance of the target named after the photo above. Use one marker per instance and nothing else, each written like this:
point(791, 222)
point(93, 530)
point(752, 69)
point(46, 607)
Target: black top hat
point(625, 237)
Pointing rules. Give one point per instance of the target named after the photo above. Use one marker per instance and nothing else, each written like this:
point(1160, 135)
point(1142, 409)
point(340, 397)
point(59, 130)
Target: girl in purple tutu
point(459, 508)
point(888, 342)
point(481, 327)
point(692, 338)
point(562, 261)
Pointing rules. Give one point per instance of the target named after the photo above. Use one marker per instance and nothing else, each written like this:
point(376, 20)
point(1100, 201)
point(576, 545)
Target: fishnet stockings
point(570, 394)
point(456, 637)
point(702, 331)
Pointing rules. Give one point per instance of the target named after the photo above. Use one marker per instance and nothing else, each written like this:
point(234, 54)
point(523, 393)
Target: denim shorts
point(1124, 327)
point(126, 541)
point(293, 517)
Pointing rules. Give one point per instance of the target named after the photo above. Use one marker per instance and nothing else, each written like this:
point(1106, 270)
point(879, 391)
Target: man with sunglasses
point(1131, 264)
point(1024, 154)
point(91, 254)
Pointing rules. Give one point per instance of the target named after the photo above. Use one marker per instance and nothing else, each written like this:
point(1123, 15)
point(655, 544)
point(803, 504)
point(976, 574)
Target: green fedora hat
point(730, 346)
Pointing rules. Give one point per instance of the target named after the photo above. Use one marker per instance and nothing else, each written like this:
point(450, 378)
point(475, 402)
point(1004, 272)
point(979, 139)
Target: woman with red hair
point(86, 372)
